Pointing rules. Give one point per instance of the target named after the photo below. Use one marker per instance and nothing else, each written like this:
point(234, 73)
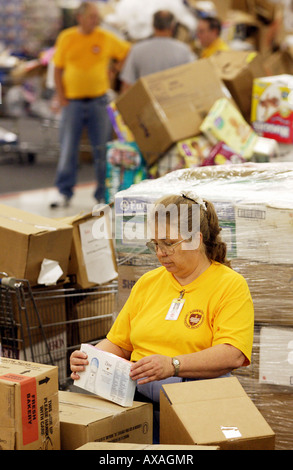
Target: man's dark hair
point(214, 23)
point(163, 19)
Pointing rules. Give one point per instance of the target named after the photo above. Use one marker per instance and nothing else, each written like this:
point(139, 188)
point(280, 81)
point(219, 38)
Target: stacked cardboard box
point(29, 408)
point(166, 107)
point(255, 209)
point(86, 418)
point(28, 239)
point(35, 415)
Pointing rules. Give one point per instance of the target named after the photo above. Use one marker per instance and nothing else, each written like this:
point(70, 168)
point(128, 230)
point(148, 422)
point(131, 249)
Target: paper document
point(97, 253)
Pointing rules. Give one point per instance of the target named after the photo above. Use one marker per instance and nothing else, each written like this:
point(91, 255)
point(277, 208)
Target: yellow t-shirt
point(217, 46)
point(218, 309)
point(85, 60)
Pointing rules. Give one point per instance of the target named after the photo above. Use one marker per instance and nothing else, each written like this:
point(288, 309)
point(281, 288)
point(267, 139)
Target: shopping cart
point(46, 324)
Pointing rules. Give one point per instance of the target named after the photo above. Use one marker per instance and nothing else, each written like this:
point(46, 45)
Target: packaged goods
point(272, 107)
point(122, 132)
point(163, 108)
point(195, 151)
point(107, 376)
point(254, 204)
point(225, 123)
point(186, 409)
point(170, 161)
point(222, 154)
point(27, 240)
point(125, 166)
point(87, 418)
point(29, 407)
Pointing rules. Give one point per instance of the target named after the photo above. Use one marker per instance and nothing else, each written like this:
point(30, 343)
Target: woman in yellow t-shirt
point(192, 318)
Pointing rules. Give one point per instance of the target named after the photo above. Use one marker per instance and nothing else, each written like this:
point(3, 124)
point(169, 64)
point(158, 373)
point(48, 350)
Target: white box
point(276, 356)
point(107, 376)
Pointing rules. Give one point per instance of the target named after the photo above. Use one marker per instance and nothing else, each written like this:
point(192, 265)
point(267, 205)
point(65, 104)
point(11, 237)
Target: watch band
point(176, 365)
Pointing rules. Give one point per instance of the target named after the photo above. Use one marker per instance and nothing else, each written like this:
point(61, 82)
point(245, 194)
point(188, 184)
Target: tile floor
point(37, 201)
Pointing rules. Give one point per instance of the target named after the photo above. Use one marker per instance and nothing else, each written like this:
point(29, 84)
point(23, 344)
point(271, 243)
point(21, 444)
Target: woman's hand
point(152, 368)
point(78, 361)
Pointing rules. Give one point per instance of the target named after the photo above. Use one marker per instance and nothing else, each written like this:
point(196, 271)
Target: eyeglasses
point(167, 248)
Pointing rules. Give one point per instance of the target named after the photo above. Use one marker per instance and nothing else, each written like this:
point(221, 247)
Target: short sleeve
point(234, 320)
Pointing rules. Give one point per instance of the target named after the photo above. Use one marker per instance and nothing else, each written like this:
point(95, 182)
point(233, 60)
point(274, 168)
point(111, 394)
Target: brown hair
point(84, 6)
point(163, 19)
point(210, 229)
point(213, 23)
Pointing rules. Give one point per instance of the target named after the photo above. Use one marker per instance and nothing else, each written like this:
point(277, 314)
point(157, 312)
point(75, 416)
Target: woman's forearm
point(212, 362)
point(106, 345)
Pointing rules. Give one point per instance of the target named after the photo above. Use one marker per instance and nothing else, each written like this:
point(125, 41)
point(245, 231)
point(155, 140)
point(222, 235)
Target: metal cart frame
point(45, 325)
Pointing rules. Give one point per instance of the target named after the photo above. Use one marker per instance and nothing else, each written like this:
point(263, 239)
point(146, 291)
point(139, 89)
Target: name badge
point(175, 309)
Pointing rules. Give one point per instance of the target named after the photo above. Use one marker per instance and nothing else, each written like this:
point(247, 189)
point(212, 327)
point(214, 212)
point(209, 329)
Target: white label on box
point(275, 356)
point(97, 253)
point(231, 432)
point(107, 376)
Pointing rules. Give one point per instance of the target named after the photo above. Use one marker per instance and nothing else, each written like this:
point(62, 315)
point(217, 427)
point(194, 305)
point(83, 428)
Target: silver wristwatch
point(176, 364)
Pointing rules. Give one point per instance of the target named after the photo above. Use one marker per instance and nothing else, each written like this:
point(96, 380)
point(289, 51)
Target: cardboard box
point(29, 407)
point(278, 63)
point(270, 286)
point(92, 258)
point(100, 311)
point(271, 109)
point(155, 447)
point(107, 376)
point(237, 69)
point(163, 108)
point(212, 412)
point(86, 418)
point(264, 233)
point(130, 269)
point(27, 239)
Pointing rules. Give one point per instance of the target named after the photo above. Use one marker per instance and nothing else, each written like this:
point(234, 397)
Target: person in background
point(209, 36)
point(160, 52)
point(81, 69)
point(190, 319)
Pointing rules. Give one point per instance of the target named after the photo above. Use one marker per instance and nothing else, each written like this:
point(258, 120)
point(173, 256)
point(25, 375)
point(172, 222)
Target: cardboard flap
point(85, 409)
point(27, 223)
point(201, 390)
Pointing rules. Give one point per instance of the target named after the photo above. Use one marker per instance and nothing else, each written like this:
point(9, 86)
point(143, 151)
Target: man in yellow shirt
point(209, 35)
point(82, 57)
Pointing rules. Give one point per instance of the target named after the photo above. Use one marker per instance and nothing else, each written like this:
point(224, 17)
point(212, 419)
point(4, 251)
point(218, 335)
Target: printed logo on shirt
point(96, 49)
point(194, 319)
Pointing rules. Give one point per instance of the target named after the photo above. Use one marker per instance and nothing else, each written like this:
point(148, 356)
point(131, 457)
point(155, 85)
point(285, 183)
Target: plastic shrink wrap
point(254, 203)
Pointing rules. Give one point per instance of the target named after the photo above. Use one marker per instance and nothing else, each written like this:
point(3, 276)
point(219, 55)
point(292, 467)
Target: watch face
point(176, 362)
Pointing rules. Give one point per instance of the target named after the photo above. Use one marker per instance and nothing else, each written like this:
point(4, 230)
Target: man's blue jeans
point(92, 114)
